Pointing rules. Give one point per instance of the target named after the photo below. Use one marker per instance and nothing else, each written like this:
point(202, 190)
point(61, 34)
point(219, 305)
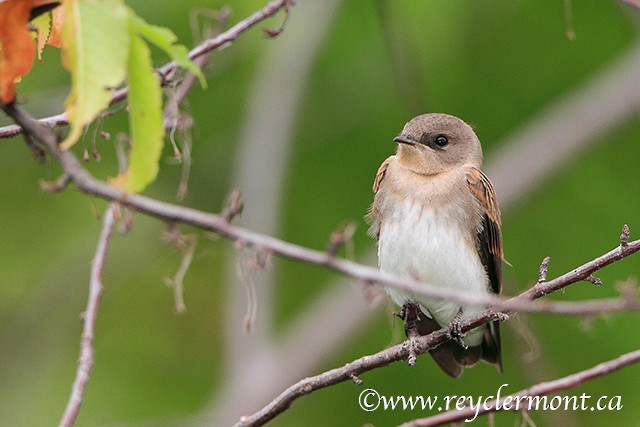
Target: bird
point(436, 219)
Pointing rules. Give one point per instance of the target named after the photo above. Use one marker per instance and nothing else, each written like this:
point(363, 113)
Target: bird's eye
point(441, 141)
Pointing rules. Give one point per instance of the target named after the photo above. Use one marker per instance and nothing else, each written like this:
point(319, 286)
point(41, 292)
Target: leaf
point(166, 40)
point(145, 116)
point(57, 17)
point(95, 40)
point(17, 49)
point(42, 24)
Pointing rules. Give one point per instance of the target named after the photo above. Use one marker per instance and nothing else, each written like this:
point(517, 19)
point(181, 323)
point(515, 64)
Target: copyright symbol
point(369, 400)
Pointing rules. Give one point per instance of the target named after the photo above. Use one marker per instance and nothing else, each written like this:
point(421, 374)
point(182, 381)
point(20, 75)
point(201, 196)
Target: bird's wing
point(380, 175)
point(372, 215)
point(490, 236)
point(491, 253)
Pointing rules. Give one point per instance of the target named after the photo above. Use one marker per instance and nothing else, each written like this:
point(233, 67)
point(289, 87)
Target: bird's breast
point(435, 244)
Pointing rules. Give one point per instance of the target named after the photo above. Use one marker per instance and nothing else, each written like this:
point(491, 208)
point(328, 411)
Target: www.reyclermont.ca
point(371, 400)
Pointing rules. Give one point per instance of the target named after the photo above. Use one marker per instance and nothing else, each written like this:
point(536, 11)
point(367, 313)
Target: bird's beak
point(401, 139)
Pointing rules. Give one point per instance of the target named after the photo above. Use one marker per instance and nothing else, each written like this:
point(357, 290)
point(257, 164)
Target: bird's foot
point(410, 314)
point(454, 331)
point(498, 316)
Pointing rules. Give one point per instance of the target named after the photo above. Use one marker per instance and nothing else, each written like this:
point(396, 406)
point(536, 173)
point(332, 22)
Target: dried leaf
point(57, 17)
point(17, 48)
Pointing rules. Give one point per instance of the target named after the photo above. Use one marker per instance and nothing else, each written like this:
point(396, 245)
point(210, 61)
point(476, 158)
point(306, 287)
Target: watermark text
point(371, 400)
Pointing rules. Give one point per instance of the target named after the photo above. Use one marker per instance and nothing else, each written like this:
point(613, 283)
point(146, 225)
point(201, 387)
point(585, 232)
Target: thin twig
point(544, 268)
point(592, 279)
point(55, 186)
point(85, 361)
point(187, 244)
point(203, 48)
point(541, 389)
point(233, 206)
point(340, 237)
point(624, 237)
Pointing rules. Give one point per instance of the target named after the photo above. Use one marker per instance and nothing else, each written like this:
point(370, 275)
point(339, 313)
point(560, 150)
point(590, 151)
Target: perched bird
point(436, 219)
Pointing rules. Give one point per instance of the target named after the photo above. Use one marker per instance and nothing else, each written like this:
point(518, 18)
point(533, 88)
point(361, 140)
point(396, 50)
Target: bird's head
point(435, 143)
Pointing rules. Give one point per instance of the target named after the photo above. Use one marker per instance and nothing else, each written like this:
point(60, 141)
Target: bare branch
point(399, 352)
point(581, 273)
point(548, 387)
point(85, 361)
point(217, 224)
point(10, 131)
point(421, 344)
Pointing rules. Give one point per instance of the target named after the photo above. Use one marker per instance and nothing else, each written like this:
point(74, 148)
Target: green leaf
point(95, 37)
point(145, 116)
point(166, 40)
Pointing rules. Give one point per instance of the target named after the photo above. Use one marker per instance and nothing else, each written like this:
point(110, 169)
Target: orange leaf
point(16, 44)
point(17, 49)
point(56, 24)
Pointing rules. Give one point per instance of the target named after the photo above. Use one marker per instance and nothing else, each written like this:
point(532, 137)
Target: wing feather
point(382, 170)
point(372, 215)
point(489, 236)
point(491, 254)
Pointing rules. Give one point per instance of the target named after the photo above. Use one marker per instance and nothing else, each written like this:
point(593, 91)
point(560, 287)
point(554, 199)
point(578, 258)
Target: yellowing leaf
point(42, 24)
point(166, 40)
point(95, 40)
point(145, 117)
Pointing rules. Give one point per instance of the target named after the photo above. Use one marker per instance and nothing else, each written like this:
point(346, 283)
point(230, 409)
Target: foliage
point(103, 42)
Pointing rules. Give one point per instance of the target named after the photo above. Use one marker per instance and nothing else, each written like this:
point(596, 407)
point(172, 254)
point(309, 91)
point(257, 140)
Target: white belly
point(429, 245)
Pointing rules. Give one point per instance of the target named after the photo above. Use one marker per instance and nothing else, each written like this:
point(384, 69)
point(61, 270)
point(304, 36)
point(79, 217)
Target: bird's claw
point(454, 331)
point(409, 315)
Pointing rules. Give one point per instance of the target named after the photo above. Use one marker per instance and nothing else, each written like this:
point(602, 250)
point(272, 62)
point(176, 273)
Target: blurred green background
point(300, 125)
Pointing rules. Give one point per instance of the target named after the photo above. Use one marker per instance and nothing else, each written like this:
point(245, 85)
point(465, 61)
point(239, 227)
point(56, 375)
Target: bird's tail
point(452, 358)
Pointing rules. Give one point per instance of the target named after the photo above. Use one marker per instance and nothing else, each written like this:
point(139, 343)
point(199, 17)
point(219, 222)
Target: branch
point(177, 214)
point(85, 361)
point(421, 344)
point(203, 48)
point(541, 389)
point(632, 3)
